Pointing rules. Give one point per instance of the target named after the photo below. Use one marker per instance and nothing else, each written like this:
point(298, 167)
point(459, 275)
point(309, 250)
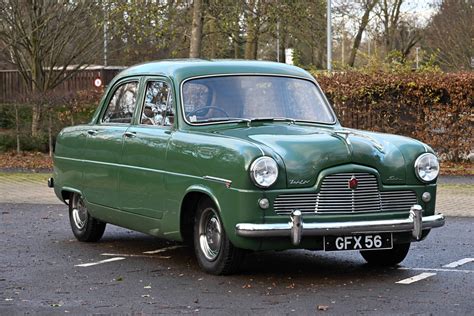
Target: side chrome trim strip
point(219, 180)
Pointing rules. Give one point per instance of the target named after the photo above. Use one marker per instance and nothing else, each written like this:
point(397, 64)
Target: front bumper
point(295, 229)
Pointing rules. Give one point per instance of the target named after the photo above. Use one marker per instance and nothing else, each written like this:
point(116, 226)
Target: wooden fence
point(13, 87)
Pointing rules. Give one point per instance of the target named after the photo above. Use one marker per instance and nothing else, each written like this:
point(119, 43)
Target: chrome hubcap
point(210, 234)
point(79, 212)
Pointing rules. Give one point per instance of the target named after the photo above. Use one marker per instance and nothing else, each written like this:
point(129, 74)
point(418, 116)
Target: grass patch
point(461, 188)
point(25, 177)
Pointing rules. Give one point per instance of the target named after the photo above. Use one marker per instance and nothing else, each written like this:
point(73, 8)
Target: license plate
point(358, 242)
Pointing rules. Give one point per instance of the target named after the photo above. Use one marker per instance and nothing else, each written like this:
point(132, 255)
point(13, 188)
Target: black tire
point(214, 251)
point(386, 258)
point(84, 227)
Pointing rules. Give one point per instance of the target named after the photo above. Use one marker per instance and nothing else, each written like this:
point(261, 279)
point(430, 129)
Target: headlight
point(264, 172)
point(427, 167)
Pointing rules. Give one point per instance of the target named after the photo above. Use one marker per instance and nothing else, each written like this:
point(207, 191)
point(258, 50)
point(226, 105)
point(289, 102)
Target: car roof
point(180, 69)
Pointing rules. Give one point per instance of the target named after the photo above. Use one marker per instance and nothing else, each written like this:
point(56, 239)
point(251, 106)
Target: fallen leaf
point(323, 307)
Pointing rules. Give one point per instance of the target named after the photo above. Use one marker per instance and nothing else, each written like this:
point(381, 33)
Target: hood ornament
point(346, 133)
point(353, 183)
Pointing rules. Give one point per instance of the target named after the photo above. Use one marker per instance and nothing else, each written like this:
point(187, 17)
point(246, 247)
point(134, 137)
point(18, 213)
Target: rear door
point(142, 189)
point(104, 144)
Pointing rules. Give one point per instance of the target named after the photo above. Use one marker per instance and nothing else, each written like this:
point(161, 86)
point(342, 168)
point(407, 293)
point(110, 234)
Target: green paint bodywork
point(141, 182)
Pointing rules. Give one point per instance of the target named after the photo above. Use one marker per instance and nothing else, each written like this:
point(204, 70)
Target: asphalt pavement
point(44, 270)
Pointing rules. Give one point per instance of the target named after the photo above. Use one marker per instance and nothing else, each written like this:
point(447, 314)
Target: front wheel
point(84, 226)
point(214, 251)
point(386, 258)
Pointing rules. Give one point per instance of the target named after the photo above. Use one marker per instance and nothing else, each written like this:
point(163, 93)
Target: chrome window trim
point(109, 97)
point(313, 81)
point(142, 102)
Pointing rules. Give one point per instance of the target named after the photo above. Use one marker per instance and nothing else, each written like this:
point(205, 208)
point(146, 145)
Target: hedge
point(436, 108)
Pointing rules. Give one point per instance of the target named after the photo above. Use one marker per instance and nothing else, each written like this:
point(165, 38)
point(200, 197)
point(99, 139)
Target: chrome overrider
point(295, 229)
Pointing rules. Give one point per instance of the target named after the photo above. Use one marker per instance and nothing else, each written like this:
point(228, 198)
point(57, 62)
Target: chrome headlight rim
point(417, 165)
point(253, 166)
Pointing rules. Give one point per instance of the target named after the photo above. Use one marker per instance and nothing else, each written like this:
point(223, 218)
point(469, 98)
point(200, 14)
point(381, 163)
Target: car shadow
point(299, 264)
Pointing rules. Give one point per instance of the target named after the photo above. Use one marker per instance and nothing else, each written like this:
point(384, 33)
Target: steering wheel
point(207, 108)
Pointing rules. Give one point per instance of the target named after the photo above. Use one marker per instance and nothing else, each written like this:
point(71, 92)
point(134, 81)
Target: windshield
point(246, 97)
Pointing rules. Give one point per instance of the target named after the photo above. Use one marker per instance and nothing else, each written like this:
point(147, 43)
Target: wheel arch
point(66, 193)
point(188, 209)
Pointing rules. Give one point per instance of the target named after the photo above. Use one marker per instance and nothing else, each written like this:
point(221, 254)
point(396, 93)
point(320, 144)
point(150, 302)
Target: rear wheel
point(214, 251)
point(389, 257)
point(84, 226)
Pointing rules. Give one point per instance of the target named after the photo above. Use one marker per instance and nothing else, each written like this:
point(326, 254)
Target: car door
point(142, 189)
point(104, 144)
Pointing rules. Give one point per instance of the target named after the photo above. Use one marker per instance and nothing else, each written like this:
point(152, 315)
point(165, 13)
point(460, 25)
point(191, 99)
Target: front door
point(102, 155)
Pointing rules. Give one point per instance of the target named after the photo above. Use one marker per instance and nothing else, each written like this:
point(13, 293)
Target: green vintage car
point(232, 156)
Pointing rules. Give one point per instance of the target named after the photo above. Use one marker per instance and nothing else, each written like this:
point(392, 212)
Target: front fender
point(199, 188)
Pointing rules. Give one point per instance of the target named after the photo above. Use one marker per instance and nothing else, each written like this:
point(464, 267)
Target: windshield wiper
point(223, 119)
point(248, 120)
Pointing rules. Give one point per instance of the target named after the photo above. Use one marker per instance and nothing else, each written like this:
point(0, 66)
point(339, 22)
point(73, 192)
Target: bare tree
point(390, 15)
point(451, 34)
point(400, 30)
point(368, 6)
point(253, 22)
point(48, 41)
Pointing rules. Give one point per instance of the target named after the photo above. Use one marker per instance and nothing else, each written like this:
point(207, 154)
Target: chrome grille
point(336, 197)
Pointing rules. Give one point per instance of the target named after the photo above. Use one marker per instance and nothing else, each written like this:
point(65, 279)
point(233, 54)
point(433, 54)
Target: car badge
point(353, 183)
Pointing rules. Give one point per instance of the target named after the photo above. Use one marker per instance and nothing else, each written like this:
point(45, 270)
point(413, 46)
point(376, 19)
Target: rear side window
point(122, 105)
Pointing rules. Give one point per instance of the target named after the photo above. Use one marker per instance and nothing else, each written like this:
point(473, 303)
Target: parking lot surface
point(43, 269)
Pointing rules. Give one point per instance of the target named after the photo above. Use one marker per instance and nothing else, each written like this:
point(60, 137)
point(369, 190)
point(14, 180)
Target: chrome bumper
point(295, 229)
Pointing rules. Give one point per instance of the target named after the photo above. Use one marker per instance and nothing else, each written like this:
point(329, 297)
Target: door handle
point(92, 132)
point(129, 134)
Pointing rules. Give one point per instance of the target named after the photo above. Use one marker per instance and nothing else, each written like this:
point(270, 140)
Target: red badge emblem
point(353, 183)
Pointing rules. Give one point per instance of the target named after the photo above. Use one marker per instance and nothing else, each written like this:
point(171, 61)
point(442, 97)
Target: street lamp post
point(106, 20)
point(329, 37)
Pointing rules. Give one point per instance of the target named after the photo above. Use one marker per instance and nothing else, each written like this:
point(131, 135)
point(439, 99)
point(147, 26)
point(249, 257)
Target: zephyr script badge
point(299, 181)
point(353, 183)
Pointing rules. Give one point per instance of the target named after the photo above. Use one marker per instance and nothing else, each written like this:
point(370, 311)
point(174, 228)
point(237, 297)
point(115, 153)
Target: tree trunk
point(236, 35)
point(50, 132)
point(283, 39)
point(251, 44)
point(17, 129)
point(213, 39)
point(362, 26)
point(236, 49)
point(196, 32)
point(35, 120)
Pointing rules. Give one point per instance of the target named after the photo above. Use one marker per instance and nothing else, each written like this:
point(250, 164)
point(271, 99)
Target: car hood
point(307, 150)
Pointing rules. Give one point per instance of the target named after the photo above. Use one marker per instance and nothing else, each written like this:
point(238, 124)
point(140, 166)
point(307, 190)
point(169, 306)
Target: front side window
point(158, 105)
point(244, 97)
point(121, 106)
